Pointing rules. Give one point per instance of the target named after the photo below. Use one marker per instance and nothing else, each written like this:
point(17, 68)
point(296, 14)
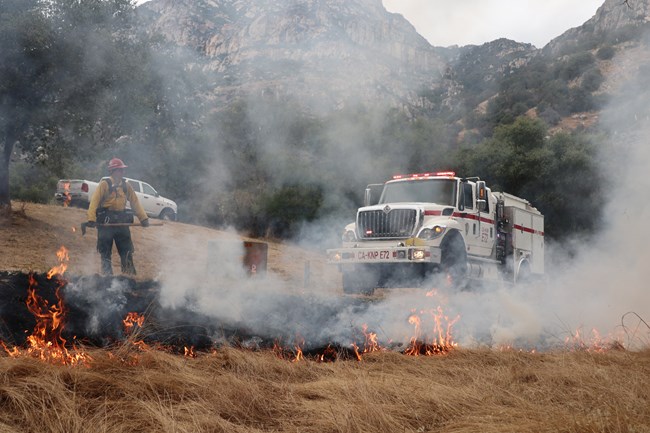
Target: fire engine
point(438, 224)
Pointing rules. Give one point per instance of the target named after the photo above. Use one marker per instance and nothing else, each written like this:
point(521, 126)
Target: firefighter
point(108, 206)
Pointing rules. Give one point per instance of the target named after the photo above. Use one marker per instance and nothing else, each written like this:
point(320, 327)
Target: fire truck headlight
point(432, 233)
point(418, 255)
point(335, 257)
point(349, 236)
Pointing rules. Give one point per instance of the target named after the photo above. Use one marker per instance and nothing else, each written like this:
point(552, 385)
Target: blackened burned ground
point(86, 319)
point(97, 305)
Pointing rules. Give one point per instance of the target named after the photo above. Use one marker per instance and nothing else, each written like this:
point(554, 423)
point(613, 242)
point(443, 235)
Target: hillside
point(330, 55)
point(283, 113)
point(37, 231)
point(326, 53)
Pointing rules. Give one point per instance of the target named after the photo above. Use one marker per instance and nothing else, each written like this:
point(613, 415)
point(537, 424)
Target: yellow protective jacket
point(114, 200)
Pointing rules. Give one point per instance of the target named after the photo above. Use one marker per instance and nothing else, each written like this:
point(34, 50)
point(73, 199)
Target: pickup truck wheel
point(454, 262)
point(168, 215)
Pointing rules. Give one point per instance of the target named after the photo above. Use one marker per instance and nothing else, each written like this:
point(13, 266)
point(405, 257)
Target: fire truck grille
point(398, 223)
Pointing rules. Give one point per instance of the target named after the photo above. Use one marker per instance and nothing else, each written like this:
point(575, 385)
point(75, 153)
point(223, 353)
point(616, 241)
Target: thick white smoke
point(590, 289)
point(600, 290)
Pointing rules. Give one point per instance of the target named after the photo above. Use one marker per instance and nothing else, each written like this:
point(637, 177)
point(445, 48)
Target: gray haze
point(592, 288)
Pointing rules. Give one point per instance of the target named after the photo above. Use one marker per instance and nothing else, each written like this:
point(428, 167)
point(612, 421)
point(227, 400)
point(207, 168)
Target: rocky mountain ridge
point(330, 54)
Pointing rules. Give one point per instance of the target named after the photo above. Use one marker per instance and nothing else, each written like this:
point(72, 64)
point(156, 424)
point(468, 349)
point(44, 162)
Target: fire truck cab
point(437, 223)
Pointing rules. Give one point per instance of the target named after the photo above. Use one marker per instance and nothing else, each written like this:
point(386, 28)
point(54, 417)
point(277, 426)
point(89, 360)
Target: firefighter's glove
point(91, 224)
point(145, 223)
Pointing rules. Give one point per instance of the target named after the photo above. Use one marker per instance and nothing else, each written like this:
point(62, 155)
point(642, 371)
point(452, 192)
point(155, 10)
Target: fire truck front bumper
point(406, 254)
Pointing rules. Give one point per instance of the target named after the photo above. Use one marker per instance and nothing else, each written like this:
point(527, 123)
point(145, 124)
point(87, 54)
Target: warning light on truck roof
point(425, 175)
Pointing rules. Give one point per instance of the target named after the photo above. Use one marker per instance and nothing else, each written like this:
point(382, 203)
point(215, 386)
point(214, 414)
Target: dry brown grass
point(241, 391)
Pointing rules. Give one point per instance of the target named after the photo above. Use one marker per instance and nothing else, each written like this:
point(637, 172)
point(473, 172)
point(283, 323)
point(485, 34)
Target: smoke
point(593, 286)
point(594, 289)
point(97, 305)
point(586, 293)
point(609, 276)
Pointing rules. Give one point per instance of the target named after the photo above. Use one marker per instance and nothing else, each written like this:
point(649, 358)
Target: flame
point(66, 192)
point(355, 348)
point(441, 342)
point(593, 341)
point(298, 345)
point(371, 344)
point(131, 320)
point(64, 258)
point(277, 349)
point(189, 352)
point(140, 344)
point(46, 341)
point(330, 354)
point(295, 354)
point(299, 357)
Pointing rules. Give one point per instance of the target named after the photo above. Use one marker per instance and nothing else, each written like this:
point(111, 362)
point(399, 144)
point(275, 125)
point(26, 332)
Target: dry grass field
point(132, 388)
point(242, 391)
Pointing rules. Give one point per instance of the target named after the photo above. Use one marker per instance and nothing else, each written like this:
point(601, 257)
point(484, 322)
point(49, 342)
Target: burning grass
point(234, 390)
point(150, 375)
point(141, 382)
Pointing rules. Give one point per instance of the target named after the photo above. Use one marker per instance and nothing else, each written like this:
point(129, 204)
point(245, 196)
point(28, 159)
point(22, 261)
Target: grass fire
point(115, 354)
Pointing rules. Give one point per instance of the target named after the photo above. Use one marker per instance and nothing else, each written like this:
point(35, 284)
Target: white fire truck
point(437, 224)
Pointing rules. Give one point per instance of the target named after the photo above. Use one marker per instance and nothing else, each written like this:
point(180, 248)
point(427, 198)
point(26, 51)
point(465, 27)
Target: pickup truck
point(77, 192)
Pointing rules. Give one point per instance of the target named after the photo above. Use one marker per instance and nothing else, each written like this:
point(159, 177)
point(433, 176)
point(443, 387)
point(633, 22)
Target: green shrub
point(606, 53)
point(592, 79)
point(574, 66)
point(33, 183)
point(290, 206)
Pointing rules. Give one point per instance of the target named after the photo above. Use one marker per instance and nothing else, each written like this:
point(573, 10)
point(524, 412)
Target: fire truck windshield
point(440, 191)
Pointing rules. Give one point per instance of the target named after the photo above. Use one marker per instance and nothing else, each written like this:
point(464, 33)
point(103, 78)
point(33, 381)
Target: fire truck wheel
point(454, 261)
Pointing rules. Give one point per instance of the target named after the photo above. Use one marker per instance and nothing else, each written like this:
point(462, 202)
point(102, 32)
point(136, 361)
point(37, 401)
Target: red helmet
point(116, 163)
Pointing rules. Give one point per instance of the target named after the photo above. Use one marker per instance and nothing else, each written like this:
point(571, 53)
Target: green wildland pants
point(122, 238)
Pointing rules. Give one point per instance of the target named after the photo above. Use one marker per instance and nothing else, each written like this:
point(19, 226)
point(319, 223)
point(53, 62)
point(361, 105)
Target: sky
point(464, 22)
point(444, 23)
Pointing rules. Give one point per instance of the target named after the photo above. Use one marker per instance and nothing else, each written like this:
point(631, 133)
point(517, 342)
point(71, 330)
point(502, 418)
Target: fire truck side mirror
point(373, 192)
point(481, 196)
point(461, 195)
point(367, 196)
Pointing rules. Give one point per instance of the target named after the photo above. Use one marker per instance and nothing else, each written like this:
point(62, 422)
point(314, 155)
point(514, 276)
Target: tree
point(559, 175)
point(74, 76)
point(286, 208)
point(26, 61)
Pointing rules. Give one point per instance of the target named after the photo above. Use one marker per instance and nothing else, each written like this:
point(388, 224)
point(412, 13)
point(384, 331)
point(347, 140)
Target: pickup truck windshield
point(439, 191)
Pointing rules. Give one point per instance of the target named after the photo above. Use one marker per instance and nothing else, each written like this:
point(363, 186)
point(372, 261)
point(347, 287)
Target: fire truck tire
point(454, 261)
point(357, 283)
